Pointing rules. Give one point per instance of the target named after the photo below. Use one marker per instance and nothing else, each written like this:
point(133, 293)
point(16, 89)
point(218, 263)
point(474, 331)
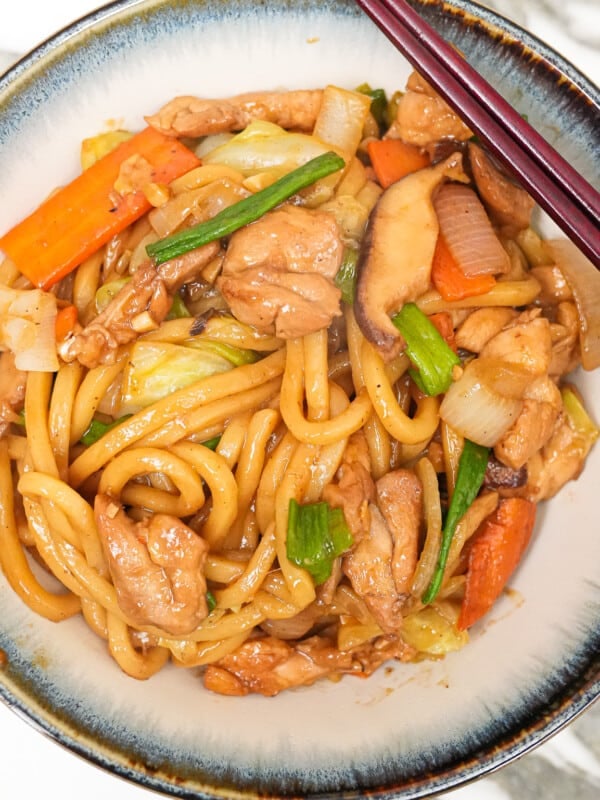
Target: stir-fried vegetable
point(427, 350)
point(471, 471)
point(157, 369)
point(393, 159)
point(245, 211)
point(316, 535)
point(450, 281)
point(28, 328)
point(496, 550)
point(379, 105)
point(82, 216)
point(345, 279)
point(97, 429)
point(66, 319)
point(263, 147)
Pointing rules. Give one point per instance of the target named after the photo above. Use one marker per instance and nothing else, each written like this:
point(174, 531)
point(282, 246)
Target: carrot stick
point(392, 159)
point(450, 280)
point(66, 319)
point(496, 550)
point(86, 213)
point(445, 327)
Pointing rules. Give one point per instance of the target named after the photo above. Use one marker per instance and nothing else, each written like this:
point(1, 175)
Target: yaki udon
point(284, 378)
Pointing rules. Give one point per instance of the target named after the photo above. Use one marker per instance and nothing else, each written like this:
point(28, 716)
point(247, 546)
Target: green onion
point(379, 104)
point(245, 211)
point(97, 429)
point(471, 472)
point(345, 279)
point(316, 535)
point(211, 601)
point(213, 443)
point(178, 308)
point(578, 417)
point(427, 349)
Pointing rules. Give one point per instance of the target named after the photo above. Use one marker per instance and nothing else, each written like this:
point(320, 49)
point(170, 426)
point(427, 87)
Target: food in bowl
point(286, 376)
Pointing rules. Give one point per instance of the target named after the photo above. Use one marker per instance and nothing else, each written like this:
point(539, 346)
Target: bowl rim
point(567, 705)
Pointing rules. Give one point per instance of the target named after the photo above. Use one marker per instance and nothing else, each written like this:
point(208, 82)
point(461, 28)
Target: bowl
point(410, 730)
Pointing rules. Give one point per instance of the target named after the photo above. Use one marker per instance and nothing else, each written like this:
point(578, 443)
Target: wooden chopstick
point(555, 185)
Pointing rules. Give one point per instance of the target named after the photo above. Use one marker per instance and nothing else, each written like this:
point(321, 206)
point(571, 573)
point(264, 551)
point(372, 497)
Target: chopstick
point(555, 185)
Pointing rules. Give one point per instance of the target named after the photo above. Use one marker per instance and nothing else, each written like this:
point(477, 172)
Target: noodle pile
point(304, 418)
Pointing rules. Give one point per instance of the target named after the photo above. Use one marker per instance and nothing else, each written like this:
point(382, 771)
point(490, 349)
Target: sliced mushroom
point(394, 265)
point(509, 205)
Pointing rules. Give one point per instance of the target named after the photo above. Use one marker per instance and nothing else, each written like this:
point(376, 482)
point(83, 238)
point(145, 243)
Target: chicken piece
point(12, 390)
point(268, 666)
point(195, 116)
point(482, 325)
point(400, 500)
point(533, 427)
point(526, 342)
point(278, 272)
point(558, 462)
point(566, 353)
point(140, 306)
point(508, 204)
point(369, 568)
point(355, 488)
point(157, 567)
point(423, 117)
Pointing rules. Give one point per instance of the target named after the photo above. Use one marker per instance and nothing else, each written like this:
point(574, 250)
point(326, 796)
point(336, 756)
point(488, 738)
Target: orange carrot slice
point(86, 213)
point(392, 159)
point(496, 550)
point(450, 281)
point(66, 319)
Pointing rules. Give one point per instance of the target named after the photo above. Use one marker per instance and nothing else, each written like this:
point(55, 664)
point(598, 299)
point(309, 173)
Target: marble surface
point(564, 768)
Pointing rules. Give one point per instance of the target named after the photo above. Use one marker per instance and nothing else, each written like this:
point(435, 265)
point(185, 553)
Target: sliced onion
point(475, 410)
point(584, 281)
point(468, 232)
point(27, 328)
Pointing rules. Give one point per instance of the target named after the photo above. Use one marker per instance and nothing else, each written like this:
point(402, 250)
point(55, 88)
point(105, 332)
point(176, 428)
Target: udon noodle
point(233, 458)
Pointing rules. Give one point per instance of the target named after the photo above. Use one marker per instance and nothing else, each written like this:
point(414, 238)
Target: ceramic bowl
point(409, 731)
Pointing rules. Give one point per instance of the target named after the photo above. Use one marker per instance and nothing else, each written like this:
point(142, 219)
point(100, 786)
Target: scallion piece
point(316, 535)
point(427, 350)
point(97, 429)
point(345, 279)
point(178, 308)
point(212, 443)
point(245, 211)
point(469, 477)
point(379, 104)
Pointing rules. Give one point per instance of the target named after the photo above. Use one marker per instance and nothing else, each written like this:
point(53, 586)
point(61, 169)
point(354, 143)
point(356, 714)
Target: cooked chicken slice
point(12, 390)
point(558, 462)
point(423, 117)
point(157, 567)
point(268, 666)
point(355, 488)
point(195, 116)
point(526, 342)
point(533, 427)
point(140, 306)
point(509, 205)
point(566, 353)
point(369, 568)
point(482, 325)
point(400, 500)
point(278, 272)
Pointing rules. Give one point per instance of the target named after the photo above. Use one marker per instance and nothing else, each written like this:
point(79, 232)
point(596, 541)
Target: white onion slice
point(468, 232)
point(476, 411)
point(584, 281)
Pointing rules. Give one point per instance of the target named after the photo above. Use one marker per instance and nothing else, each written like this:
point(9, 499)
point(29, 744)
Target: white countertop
point(564, 768)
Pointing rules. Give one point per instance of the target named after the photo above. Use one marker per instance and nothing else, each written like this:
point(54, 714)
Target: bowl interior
point(410, 729)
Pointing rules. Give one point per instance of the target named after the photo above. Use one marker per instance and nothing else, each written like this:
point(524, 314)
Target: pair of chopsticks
point(553, 183)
